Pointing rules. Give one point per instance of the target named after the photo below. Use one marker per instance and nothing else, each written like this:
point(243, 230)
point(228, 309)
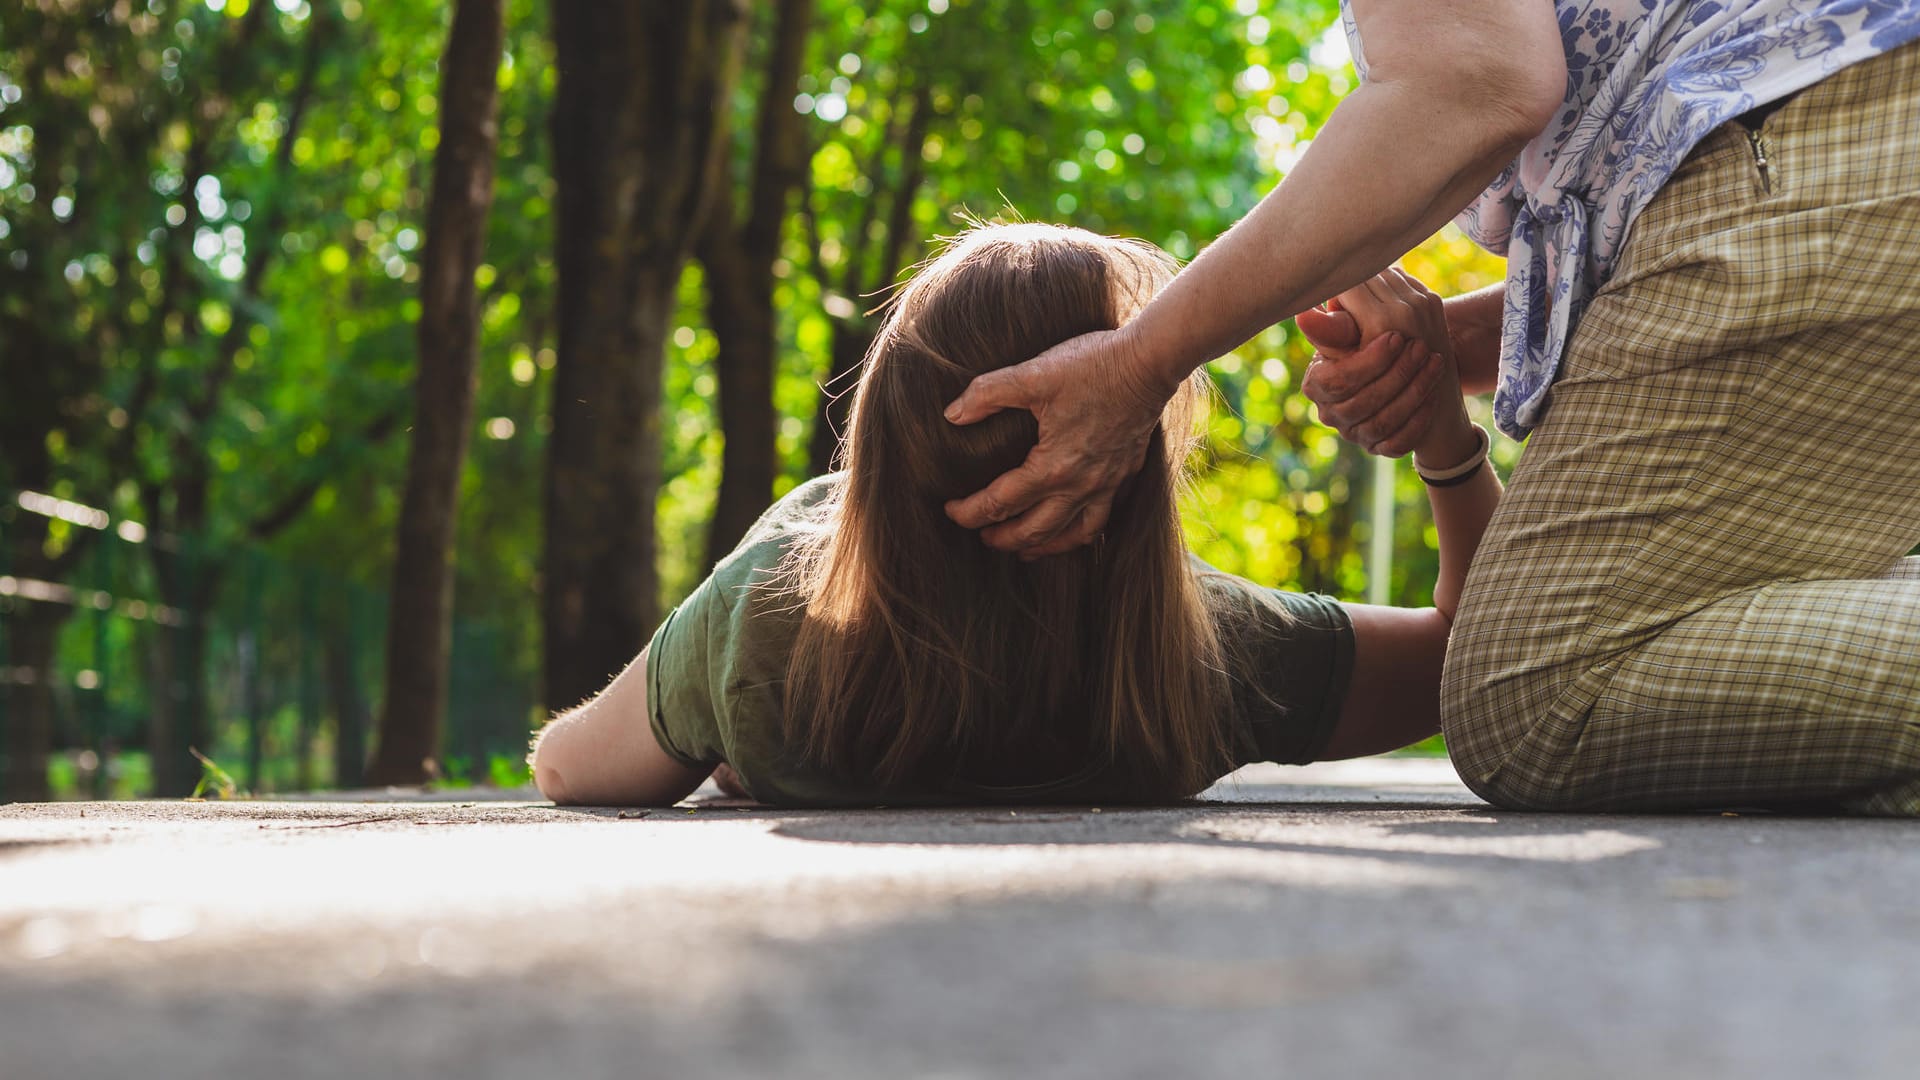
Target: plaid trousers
point(1694, 594)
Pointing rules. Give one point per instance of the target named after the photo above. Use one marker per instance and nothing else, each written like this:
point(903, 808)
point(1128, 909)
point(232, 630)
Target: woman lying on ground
point(860, 648)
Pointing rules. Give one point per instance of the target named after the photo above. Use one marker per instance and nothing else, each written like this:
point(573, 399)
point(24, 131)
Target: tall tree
point(48, 373)
point(421, 604)
point(739, 260)
point(639, 125)
point(876, 257)
point(106, 303)
point(177, 485)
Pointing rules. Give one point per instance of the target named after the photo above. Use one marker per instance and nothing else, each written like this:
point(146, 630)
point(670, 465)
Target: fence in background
point(287, 679)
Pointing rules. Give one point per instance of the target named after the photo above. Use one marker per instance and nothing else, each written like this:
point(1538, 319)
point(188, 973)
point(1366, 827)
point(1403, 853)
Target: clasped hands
point(1383, 376)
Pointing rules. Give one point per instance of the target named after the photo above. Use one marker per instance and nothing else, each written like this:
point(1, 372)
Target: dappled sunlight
point(1360, 837)
point(217, 212)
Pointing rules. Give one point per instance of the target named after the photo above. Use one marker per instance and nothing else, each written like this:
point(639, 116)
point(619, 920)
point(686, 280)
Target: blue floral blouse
point(1646, 81)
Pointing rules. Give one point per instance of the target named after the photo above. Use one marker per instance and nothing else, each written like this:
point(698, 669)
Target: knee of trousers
point(1501, 737)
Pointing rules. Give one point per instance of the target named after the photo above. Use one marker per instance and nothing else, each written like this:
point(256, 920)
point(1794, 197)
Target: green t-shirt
point(717, 666)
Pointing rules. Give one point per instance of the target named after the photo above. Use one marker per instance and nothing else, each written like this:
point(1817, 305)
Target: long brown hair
point(925, 657)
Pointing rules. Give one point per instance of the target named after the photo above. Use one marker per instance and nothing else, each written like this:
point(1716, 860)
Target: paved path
point(1363, 920)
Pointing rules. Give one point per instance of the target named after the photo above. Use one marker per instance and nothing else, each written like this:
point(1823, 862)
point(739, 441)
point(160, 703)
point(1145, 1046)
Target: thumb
point(1328, 329)
point(986, 395)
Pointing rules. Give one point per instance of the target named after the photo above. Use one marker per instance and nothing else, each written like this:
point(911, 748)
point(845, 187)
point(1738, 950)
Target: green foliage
point(214, 780)
point(495, 770)
point(211, 219)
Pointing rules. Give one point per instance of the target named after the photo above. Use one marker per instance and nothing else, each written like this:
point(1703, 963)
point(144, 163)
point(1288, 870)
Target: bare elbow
point(1514, 67)
point(1504, 80)
point(544, 761)
point(552, 786)
point(1528, 95)
point(1506, 102)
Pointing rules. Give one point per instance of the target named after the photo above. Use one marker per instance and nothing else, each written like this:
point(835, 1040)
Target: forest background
point(374, 375)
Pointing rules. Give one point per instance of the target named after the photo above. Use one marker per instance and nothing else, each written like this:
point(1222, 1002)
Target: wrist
point(1154, 370)
point(1449, 445)
point(1463, 470)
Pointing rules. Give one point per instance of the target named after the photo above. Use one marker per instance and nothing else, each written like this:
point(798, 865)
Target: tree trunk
point(739, 262)
point(349, 709)
point(32, 631)
point(742, 319)
point(180, 726)
point(448, 335)
point(188, 584)
point(853, 335)
point(638, 127)
point(28, 628)
point(851, 340)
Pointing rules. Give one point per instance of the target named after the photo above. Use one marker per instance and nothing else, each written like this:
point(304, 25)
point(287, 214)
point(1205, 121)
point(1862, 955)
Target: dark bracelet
point(1462, 472)
point(1456, 481)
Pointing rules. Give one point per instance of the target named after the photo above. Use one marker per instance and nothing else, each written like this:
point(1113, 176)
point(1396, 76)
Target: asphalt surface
point(1364, 920)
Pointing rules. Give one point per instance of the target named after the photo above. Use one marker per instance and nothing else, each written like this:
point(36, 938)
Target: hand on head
point(1096, 415)
point(1384, 375)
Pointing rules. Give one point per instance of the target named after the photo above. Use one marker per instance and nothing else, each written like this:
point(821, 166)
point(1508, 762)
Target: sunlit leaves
point(1161, 119)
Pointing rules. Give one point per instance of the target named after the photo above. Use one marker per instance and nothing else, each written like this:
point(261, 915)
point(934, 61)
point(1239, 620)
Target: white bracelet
point(1458, 474)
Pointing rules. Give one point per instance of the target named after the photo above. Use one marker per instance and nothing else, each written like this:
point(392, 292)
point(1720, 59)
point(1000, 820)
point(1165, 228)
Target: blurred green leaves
point(205, 257)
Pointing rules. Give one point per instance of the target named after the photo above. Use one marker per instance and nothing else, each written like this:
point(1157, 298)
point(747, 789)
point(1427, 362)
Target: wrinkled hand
point(1400, 391)
point(1096, 409)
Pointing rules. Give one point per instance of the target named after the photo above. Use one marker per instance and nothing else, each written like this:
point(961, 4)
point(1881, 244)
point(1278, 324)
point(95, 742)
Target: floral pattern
point(1646, 81)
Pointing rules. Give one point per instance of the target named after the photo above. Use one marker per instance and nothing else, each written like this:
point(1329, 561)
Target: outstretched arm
point(604, 753)
point(1394, 696)
point(1454, 91)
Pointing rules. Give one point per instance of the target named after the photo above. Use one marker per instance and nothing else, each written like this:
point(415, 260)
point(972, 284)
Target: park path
point(1365, 919)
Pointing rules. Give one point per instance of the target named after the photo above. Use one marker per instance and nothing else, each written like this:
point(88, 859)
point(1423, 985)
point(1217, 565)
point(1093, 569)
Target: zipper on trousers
point(1760, 160)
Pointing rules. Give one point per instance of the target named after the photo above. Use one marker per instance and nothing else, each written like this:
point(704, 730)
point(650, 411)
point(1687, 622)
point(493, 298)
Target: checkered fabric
point(1694, 593)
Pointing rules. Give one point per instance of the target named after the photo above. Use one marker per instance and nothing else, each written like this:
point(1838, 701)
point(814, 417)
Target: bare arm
point(1473, 325)
point(1394, 696)
point(1454, 91)
point(1393, 699)
point(604, 753)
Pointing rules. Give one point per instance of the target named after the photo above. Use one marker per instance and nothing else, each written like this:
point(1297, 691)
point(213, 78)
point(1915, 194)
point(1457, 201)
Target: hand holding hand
point(1398, 392)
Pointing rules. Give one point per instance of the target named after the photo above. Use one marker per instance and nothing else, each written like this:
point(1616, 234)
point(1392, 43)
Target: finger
point(1360, 407)
point(1397, 300)
point(1394, 417)
point(1424, 302)
point(1330, 418)
point(1375, 308)
point(1319, 386)
point(1365, 307)
point(1404, 285)
point(1402, 442)
point(1008, 496)
point(1085, 530)
point(1317, 382)
point(1380, 287)
point(1046, 520)
point(1330, 382)
point(1333, 418)
point(1328, 329)
point(988, 393)
point(1413, 287)
point(1384, 289)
